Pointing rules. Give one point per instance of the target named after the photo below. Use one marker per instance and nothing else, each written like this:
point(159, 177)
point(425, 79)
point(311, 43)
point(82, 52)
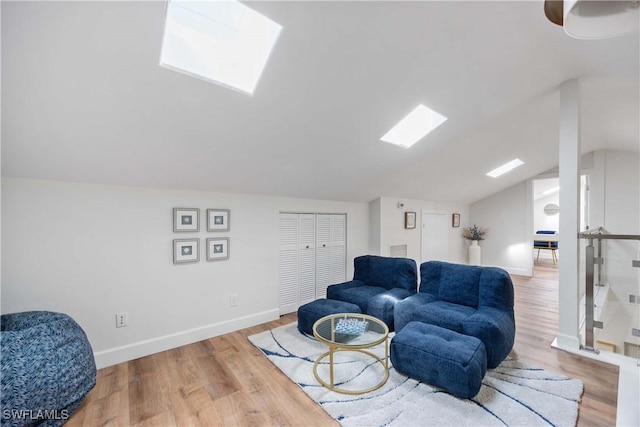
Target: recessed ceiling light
point(224, 42)
point(414, 127)
point(505, 168)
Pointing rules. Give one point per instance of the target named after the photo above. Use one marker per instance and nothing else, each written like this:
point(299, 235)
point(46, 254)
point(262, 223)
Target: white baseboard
point(128, 352)
point(517, 271)
point(512, 270)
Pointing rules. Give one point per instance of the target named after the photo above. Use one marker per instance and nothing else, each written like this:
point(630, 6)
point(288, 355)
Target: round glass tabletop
point(350, 330)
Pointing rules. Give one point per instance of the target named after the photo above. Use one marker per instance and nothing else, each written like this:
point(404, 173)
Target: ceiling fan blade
point(554, 11)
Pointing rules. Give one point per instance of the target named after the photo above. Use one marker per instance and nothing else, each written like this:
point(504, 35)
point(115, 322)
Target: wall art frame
point(409, 220)
point(218, 219)
point(218, 248)
point(455, 220)
point(186, 250)
point(186, 220)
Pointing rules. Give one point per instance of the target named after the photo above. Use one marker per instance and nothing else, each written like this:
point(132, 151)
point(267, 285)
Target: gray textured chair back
point(470, 285)
point(386, 272)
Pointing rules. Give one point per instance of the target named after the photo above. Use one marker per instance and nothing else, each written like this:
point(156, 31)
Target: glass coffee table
point(351, 332)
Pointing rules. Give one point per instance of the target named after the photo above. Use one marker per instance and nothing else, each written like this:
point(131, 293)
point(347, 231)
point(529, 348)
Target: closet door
point(288, 263)
point(312, 257)
point(323, 254)
point(338, 248)
point(306, 258)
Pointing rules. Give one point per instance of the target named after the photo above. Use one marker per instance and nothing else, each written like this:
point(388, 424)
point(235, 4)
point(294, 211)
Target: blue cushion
point(386, 272)
point(359, 295)
point(410, 309)
point(542, 244)
point(47, 365)
point(383, 304)
point(538, 244)
point(496, 329)
point(454, 362)
point(310, 313)
point(496, 289)
point(446, 315)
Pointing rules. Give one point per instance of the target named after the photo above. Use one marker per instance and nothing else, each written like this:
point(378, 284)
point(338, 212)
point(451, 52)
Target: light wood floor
point(225, 381)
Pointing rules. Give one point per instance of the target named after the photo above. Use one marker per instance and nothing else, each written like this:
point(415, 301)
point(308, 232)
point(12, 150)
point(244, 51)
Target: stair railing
point(593, 257)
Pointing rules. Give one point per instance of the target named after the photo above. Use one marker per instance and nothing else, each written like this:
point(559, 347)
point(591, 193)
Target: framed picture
point(186, 219)
point(217, 249)
point(409, 220)
point(186, 250)
point(218, 219)
point(455, 220)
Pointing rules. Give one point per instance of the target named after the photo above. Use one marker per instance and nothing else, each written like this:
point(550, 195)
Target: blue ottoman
point(441, 357)
point(310, 313)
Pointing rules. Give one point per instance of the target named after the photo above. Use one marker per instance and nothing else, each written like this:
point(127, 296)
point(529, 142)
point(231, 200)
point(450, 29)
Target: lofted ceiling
point(84, 99)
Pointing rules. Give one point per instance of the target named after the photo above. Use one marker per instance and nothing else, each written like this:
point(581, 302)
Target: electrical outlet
point(121, 320)
point(233, 300)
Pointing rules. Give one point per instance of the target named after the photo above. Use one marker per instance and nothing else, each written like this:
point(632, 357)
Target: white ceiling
point(83, 99)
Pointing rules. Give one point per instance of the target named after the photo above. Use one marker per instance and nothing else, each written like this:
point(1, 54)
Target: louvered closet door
point(338, 248)
point(288, 263)
point(323, 254)
point(307, 258)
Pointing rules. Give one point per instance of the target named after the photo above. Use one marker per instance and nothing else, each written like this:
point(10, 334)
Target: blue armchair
point(378, 284)
point(471, 300)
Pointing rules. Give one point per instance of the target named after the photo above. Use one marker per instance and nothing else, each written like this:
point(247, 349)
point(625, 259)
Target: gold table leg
point(331, 385)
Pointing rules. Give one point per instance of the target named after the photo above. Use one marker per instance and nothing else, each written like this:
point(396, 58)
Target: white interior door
point(435, 241)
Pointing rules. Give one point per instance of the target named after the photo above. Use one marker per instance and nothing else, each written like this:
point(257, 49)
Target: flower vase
point(475, 253)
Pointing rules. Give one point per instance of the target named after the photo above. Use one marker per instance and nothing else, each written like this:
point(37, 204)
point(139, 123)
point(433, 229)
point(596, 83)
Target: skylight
point(224, 42)
point(550, 191)
point(505, 168)
point(414, 127)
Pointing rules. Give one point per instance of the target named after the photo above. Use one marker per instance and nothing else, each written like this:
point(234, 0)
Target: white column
point(569, 157)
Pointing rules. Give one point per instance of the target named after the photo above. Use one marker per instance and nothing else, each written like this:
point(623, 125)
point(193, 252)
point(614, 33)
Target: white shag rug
point(513, 394)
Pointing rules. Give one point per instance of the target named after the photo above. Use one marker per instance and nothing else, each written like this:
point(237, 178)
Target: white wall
point(508, 241)
point(94, 250)
point(542, 220)
point(392, 231)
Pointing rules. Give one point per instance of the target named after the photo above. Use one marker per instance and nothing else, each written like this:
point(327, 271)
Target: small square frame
point(218, 220)
point(217, 249)
point(186, 220)
point(409, 220)
point(455, 220)
point(186, 250)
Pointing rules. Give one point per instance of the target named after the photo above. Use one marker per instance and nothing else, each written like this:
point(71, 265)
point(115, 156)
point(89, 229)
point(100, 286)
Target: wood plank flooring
point(225, 381)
